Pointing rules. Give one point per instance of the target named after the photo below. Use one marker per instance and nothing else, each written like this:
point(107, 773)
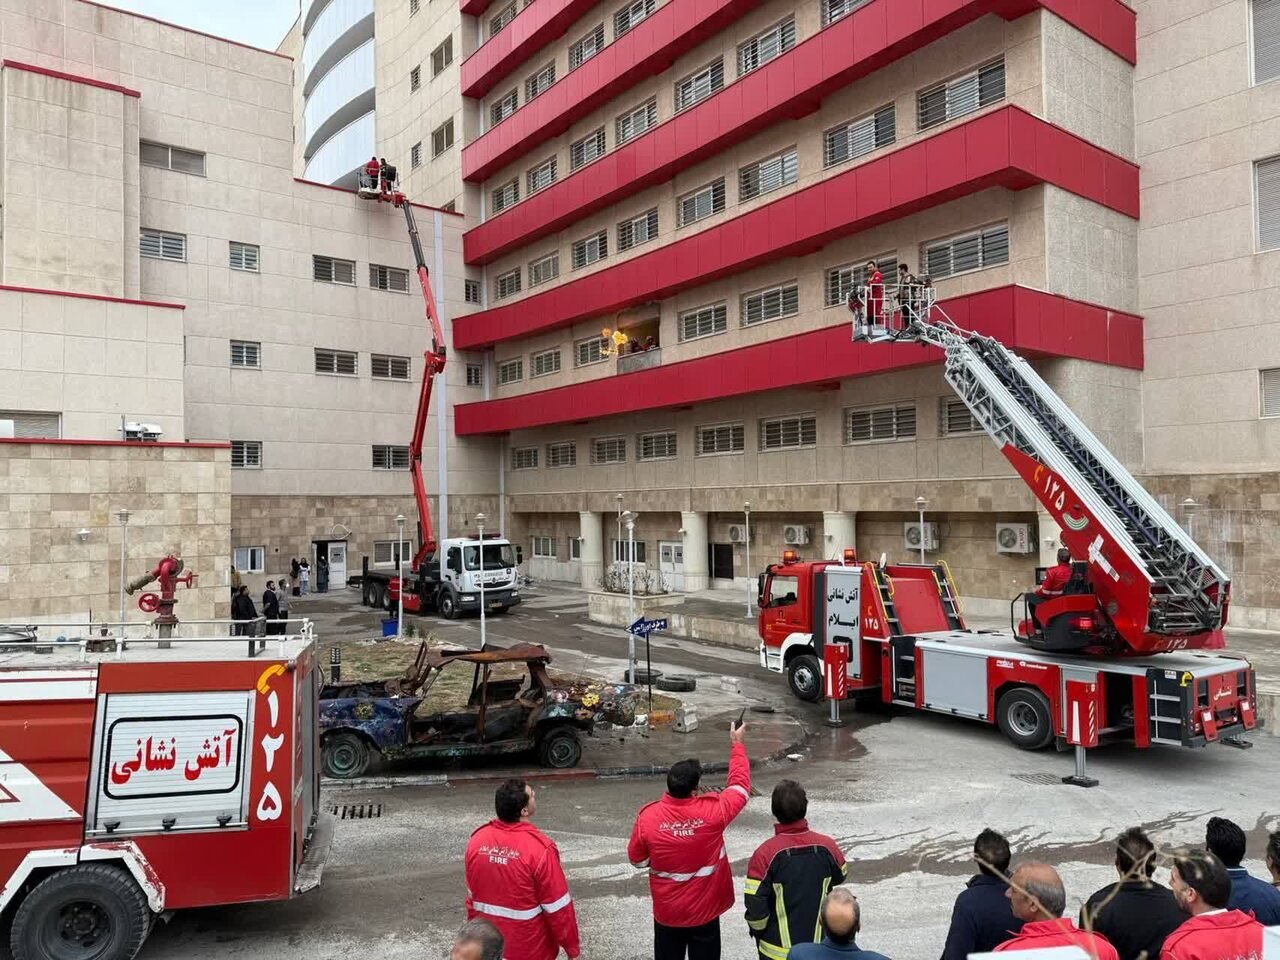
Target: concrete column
point(694, 533)
point(839, 530)
point(591, 553)
point(1048, 539)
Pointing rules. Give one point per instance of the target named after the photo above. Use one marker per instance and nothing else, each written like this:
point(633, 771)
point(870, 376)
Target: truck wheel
point(346, 756)
point(560, 748)
point(369, 593)
point(804, 675)
point(92, 911)
point(1023, 717)
point(448, 605)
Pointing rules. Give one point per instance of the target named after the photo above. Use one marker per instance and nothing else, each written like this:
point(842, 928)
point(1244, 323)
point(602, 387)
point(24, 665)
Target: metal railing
point(114, 636)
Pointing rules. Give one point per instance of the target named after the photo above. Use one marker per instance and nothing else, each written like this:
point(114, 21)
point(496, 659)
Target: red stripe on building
point(875, 35)
point(91, 296)
point(69, 77)
point(1028, 321)
point(1008, 147)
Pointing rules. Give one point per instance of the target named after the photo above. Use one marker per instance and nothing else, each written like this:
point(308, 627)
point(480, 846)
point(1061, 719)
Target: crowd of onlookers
point(274, 616)
point(797, 907)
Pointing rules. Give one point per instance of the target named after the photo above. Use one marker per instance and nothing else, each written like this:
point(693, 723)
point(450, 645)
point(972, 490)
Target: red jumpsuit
point(681, 841)
point(515, 881)
point(372, 168)
point(875, 298)
point(1062, 932)
point(1225, 935)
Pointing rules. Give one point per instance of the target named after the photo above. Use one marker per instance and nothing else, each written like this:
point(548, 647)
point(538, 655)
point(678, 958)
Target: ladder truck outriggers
point(444, 576)
point(1125, 653)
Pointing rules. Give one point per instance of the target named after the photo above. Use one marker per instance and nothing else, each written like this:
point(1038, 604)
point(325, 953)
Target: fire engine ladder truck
point(371, 189)
point(1187, 593)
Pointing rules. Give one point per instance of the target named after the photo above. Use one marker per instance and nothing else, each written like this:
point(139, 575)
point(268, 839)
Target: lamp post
point(400, 518)
point(123, 516)
point(629, 519)
point(618, 499)
point(1189, 505)
point(746, 514)
point(921, 503)
point(480, 519)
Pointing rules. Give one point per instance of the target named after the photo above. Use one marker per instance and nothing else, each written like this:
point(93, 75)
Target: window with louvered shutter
point(506, 196)
point(545, 363)
point(30, 425)
point(1267, 193)
point(833, 10)
point(511, 371)
point(471, 291)
point(442, 56)
point(475, 375)
point(638, 230)
point(860, 137)
point(636, 122)
point(541, 176)
point(503, 107)
point(656, 446)
point(243, 256)
point(246, 454)
point(415, 156)
point(955, 418)
point(507, 284)
point(704, 322)
point(765, 176)
point(961, 95)
point(583, 50)
point(759, 50)
point(788, 433)
point(544, 269)
point(564, 454)
point(246, 353)
point(1270, 392)
point(158, 245)
point(697, 87)
point(590, 249)
point(587, 149)
point(395, 279)
point(342, 362)
point(626, 18)
point(721, 438)
point(967, 252)
point(415, 79)
point(414, 6)
point(702, 203)
point(591, 350)
point(781, 301)
point(329, 270)
point(1266, 40)
point(874, 424)
point(390, 457)
point(609, 450)
point(842, 281)
point(540, 81)
point(384, 367)
point(171, 158)
point(524, 458)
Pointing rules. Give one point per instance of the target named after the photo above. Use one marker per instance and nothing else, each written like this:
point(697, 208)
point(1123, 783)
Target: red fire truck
point(1122, 653)
point(176, 772)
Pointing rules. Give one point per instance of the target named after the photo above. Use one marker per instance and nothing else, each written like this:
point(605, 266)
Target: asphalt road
point(904, 794)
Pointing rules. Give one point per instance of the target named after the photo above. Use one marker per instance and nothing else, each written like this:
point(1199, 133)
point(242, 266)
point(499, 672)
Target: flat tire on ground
point(91, 911)
point(1024, 717)
point(676, 683)
point(642, 676)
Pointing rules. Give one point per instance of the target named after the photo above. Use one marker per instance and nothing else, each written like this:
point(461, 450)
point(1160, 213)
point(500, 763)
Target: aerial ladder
point(1140, 584)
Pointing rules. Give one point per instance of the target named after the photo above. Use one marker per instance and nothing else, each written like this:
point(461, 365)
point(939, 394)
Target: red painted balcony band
point(1005, 148)
point(474, 8)
point(1029, 321)
point(794, 84)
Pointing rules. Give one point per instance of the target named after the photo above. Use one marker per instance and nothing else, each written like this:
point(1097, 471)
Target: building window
point(442, 56)
point(764, 47)
point(246, 353)
point(954, 418)
point(544, 269)
point(244, 256)
point(504, 17)
point(503, 107)
point(698, 86)
point(544, 547)
point(1270, 392)
point(506, 284)
point(339, 362)
point(961, 95)
point(384, 367)
point(511, 371)
point(544, 363)
point(765, 176)
point(251, 559)
point(159, 245)
point(30, 425)
point(859, 137)
point(721, 438)
point(609, 450)
point(475, 375)
point(170, 158)
point(413, 7)
point(471, 291)
point(415, 156)
point(833, 10)
point(524, 458)
point(704, 322)
point(630, 15)
point(1266, 40)
point(788, 433)
point(583, 50)
point(330, 270)
point(541, 176)
point(390, 456)
point(395, 279)
point(656, 446)
point(442, 138)
point(591, 147)
point(540, 82)
point(563, 454)
point(625, 551)
point(386, 553)
point(575, 548)
point(415, 79)
point(589, 351)
point(636, 122)
point(450, 207)
point(771, 304)
point(975, 250)
point(506, 195)
point(871, 424)
point(590, 249)
point(641, 229)
point(842, 281)
point(246, 454)
point(1267, 192)
point(702, 203)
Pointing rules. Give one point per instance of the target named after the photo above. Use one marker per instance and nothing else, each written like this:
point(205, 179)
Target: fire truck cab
point(172, 773)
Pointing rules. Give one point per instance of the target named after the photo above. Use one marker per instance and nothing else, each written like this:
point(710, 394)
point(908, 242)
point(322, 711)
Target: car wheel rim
point(1023, 720)
point(344, 758)
point(806, 681)
point(79, 930)
point(561, 751)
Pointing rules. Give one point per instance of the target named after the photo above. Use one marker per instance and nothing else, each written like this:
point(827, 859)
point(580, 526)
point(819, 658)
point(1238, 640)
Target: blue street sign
point(643, 627)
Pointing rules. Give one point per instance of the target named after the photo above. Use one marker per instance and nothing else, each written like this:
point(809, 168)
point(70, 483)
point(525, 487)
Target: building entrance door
point(337, 564)
point(720, 557)
point(671, 563)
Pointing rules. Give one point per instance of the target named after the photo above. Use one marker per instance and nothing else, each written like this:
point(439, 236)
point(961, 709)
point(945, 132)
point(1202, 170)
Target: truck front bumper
point(506, 597)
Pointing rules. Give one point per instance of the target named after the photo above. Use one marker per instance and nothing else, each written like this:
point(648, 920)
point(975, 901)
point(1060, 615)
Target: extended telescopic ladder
point(1188, 591)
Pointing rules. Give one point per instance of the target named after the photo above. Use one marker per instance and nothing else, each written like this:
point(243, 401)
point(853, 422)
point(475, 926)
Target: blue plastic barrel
point(389, 627)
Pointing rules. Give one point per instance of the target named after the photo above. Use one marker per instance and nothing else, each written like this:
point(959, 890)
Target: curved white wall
point(350, 78)
point(341, 154)
point(331, 25)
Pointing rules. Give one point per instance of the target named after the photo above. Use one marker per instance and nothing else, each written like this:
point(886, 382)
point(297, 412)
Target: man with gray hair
point(1039, 900)
point(841, 922)
point(477, 940)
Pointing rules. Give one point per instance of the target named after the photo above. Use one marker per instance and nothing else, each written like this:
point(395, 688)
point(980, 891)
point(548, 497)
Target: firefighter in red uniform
point(1055, 582)
point(1202, 887)
point(680, 838)
point(1039, 900)
point(514, 880)
point(875, 294)
point(372, 168)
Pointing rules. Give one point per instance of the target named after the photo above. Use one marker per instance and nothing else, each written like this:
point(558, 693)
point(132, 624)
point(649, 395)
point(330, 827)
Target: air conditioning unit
point(148, 432)
point(911, 536)
point(737, 533)
point(1014, 538)
point(796, 536)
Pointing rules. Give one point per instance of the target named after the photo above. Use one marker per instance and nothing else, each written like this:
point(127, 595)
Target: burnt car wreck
point(513, 707)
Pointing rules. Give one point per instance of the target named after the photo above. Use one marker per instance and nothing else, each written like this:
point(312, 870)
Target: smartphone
point(738, 723)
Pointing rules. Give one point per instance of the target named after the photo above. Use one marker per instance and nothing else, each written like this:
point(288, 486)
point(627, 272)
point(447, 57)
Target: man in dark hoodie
point(1135, 913)
point(983, 918)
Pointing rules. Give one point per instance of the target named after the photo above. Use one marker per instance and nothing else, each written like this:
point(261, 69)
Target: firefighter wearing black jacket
point(788, 877)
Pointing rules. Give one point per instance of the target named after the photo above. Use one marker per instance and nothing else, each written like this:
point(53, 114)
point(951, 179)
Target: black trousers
point(695, 943)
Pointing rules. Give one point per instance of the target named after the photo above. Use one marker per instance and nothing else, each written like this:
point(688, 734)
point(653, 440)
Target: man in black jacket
point(982, 918)
point(271, 608)
point(1135, 914)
